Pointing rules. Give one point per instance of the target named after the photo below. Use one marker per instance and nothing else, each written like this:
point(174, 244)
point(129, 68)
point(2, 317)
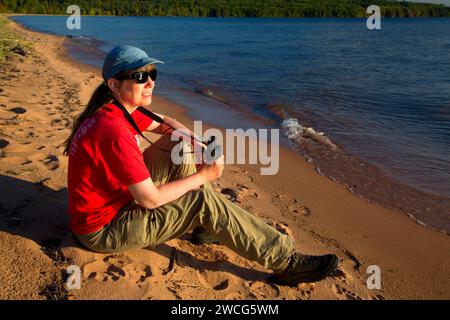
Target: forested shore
point(228, 8)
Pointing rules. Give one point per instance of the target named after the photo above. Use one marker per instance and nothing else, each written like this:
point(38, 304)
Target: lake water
point(381, 96)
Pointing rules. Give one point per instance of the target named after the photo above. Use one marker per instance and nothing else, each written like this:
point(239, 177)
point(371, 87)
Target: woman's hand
point(213, 171)
point(199, 148)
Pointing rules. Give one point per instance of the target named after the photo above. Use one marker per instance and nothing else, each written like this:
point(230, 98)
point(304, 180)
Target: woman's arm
point(168, 126)
point(150, 196)
point(155, 126)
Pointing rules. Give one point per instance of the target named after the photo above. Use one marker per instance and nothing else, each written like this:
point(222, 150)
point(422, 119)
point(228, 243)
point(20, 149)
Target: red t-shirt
point(104, 159)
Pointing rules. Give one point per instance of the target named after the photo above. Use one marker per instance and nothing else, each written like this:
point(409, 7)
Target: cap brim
point(143, 62)
point(135, 65)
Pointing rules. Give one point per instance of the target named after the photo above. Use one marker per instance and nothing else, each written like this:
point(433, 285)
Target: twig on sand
point(172, 262)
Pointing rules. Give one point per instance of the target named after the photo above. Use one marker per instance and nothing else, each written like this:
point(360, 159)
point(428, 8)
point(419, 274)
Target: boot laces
point(302, 259)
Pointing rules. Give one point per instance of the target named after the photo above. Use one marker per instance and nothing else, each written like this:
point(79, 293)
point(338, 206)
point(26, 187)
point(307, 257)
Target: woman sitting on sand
point(121, 199)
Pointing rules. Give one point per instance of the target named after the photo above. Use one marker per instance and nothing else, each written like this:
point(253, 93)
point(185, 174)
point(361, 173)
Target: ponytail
point(101, 96)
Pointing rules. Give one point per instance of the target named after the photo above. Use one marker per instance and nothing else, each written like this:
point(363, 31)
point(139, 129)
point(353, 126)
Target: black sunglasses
point(140, 76)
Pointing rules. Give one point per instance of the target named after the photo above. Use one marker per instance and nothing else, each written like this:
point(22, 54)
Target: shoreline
point(365, 180)
point(362, 178)
point(361, 18)
point(322, 215)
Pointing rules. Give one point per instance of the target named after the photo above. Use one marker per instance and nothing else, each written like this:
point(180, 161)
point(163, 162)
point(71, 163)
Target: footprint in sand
point(245, 193)
point(341, 274)
point(3, 143)
point(345, 294)
point(231, 194)
point(116, 267)
point(234, 296)
point(240, 194)
point(56, 122)
point(51, 162)
point(306, 290)
point(93, 270)
point(282, 227)
point(14, 121)
point(241, 176)
point(262, 290)
point(344, 279)
point(18, 110)
point(214, 279)
point(284, 202)
point(115, 272)
point(352, 260)
point(139, 272)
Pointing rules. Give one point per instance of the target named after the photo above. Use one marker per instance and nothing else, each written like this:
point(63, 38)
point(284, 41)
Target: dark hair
point(101, 96)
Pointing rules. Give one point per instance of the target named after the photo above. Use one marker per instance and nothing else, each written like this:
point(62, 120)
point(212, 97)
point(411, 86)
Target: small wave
point(207, 92)
point(213, 95)
point(279, 110)
point(294, 131)
point(85, 40)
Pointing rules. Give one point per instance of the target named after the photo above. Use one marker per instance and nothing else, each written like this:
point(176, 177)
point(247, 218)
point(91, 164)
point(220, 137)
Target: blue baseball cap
point(123, 58)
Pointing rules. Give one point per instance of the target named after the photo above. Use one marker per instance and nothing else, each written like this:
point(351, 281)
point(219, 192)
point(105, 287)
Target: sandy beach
point(40, 93)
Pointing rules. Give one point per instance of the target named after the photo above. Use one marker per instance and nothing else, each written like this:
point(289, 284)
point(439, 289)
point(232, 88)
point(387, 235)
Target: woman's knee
point(211, 199)
point(204, 193)
point(200, 197)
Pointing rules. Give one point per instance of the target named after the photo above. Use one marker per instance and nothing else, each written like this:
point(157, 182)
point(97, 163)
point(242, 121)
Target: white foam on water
point(319, 137)
point(294, 131)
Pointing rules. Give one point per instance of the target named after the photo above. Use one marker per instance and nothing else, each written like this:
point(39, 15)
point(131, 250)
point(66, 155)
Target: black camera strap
point(156, 118)
point(131, 120)
point(149, 114)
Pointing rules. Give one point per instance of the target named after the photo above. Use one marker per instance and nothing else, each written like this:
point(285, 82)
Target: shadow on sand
point(39, 213)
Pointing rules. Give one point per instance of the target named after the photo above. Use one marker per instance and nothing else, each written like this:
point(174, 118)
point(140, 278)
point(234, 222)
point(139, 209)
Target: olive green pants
point(138, 227)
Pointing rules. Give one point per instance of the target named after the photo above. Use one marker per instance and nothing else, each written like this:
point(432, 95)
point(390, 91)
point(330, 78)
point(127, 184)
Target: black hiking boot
point(201, 236)
point(305, 268)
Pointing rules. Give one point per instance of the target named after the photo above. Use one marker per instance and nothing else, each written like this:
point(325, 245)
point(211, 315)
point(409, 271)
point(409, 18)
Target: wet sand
point(40, 94)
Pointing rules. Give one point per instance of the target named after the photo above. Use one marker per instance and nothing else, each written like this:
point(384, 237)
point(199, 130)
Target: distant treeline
point(228, 8)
